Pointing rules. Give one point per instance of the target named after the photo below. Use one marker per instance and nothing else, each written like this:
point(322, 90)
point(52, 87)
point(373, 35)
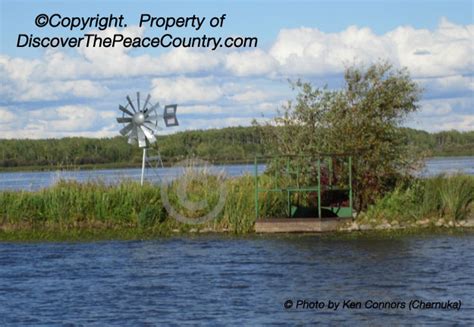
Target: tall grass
point(73, 203)
point(131, 209)
point(443, 196)
point(457, 195)
point(70, 205)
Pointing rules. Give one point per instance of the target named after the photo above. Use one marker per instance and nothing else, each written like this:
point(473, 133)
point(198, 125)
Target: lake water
point(36, 180)
point(224, 281)
point(221, 280)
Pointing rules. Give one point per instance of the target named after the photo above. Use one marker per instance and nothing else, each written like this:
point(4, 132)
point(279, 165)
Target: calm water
point(37, 180)
point(224, 281)
point(228, 281)
point(435, 166)
point(40, 179)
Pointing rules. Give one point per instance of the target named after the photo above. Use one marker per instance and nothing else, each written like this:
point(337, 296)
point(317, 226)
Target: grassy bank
point(126, 210)
point(440, 201)
point(90, 211)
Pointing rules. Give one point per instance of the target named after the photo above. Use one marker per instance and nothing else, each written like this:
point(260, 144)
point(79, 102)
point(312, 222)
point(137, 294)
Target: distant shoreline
point(118, 165)
point(128, 165)
point(219, 146)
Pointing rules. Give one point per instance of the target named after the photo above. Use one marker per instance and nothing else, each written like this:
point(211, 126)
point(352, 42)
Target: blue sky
point(68, 92)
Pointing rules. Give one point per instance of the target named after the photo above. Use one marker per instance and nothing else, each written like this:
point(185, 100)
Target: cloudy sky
point(76, 92)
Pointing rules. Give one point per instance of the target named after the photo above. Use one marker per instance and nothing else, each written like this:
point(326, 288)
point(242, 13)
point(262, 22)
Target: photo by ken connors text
point(372, 304)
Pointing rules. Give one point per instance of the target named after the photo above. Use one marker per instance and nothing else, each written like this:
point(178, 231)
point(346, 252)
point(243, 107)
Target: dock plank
point(299, 225)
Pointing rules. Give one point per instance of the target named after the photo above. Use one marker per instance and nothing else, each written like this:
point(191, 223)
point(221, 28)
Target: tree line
point(225, 145)
point(232, 144)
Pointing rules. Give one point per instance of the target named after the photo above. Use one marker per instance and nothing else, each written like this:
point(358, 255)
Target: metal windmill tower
point(141, 123)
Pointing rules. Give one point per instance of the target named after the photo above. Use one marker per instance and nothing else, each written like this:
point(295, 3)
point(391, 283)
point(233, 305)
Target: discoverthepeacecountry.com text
point(167, 26)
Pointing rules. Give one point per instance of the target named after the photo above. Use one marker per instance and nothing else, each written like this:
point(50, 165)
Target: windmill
point(141, 123)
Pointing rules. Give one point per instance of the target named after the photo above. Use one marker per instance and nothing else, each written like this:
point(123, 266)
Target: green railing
point(329, 176)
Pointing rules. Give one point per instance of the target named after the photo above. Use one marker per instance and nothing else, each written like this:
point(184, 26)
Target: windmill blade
point(152, 127)
point(124, 120)
point(141, 138)
point(156, 105)
point(153, 118)
point(151, 138)
point(138, 101)
point(124, 131)
point(125, 110)
point(152, 115)
point(132, 138)
point(146, 103)
point(132, 141)
point(130, 103)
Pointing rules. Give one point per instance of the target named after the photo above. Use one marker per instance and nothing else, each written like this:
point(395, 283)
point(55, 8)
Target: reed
point(445, 196)
point(69, 206)
point(457, 195)
point(128, 210)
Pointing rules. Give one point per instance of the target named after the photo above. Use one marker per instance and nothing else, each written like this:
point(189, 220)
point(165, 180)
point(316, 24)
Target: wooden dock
point(299, 225)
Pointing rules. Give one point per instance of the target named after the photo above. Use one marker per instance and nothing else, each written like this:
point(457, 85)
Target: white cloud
point(447, 50)
point(23, 80)
point(62, 121)
point(233, 83)
point(444, 114)
point(59, 89)
point(6, 116)
point(185, 90)
point(251, 96)
point(250, 63)
point(190, 124)
point(443, 107)
point(447, 122)
point(201, 109)
point(458, 122)
point(435, 108)
point(64, 118)
point(308, 51)
point(181, 61)
point(269, 107)
point(444, 51)
point(447, 86)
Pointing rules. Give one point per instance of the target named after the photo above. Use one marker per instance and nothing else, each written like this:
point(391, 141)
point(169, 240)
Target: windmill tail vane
point(142, 122)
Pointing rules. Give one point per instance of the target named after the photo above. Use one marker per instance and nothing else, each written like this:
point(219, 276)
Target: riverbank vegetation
point(442, 201)
point(73, 206)
point(83, 211)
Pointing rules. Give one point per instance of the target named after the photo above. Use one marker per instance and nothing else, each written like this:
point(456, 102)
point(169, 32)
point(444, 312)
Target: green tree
point(362, 118)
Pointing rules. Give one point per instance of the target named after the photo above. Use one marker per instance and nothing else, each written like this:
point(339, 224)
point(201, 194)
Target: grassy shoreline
point(72, 211)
